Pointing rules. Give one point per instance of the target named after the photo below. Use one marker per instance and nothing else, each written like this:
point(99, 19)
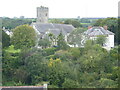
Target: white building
point(94, 32)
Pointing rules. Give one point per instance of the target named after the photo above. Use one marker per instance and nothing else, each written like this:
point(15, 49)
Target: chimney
point(89, 27)
point(105, 27)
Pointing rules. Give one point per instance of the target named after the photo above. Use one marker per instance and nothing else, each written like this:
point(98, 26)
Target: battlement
point(42, 8)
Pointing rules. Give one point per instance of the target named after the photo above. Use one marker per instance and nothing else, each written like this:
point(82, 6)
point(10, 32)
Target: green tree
point(10, 62)
point(75, 23)
point(44, 43)
point(59, 21)
point(118, 32)
point(23, 36)
point(50, 51)
point(5, 39)
point(64, 55)
point(57, 72)
point(75, 53)
point(100, 40)
point(36, 66)
point(11, 23)
point(52, 38)
point(69, 83)
point(61, 42)
point(75, 37)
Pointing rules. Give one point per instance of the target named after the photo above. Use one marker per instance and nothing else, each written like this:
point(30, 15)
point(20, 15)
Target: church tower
point(42, 14)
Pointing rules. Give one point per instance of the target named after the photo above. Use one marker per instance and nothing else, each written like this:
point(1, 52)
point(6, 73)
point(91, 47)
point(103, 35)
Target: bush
point(50, 51)
point(75, 53)
point(63, 55)
point(68, 83)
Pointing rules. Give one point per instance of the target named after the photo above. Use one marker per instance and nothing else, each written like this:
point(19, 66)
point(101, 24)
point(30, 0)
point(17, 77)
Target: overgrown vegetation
point(61, 66)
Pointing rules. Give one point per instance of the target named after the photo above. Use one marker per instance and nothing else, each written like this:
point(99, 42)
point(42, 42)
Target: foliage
point(107, 83)
point(75, 37)
point(44, 43)
point(53, 62)
point(50, 51)
point(61, 42)
point(10, 62)
point(63, 55)
point(56, 21)
point(75, 23)
point(11, 23)
point(88, 67)
point(23, 36)
point(5, 39)
point(84, 20)
point(100, 40)
point(57, 73)
point(20, 75)
point(34, 65)
point(68, 83)
point(75, 53)
point(12, 50)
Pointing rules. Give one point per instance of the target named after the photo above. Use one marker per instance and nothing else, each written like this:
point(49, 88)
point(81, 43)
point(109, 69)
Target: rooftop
point(53, 28)
point(94, 31)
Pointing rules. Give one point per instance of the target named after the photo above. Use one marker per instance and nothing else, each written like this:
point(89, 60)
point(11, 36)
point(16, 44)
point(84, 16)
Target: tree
point(5, 39)
point(24, 36)
point(10, 61)
point(44, 43)
point(75, 53)
point(75, 23)
point(61, 42)
point(11, 23)
point(75, 37)
point(56, 21)
point(52, 38)
point(118, 32)
point(69, 83)
point(36, 66)
point(100, 40)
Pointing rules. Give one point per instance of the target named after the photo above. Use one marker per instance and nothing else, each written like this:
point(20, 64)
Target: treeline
point(61, 66)
point(11, 23)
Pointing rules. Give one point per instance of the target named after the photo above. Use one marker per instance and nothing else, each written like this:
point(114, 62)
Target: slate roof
point(94, 31)
point(56, 32)
point(53, 28)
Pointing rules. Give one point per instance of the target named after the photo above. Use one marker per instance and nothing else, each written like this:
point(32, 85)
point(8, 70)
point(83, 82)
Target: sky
point(60, 8)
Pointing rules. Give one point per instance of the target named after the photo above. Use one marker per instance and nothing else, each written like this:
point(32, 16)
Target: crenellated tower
point(42, 14)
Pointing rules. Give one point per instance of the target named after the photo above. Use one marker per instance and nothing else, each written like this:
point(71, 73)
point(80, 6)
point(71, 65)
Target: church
point(43, 28)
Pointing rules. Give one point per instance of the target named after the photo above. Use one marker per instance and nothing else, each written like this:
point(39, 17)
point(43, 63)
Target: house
point(7, 31)
point(93, 32)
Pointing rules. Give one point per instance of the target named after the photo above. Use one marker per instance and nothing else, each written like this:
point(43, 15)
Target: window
point(46, 14)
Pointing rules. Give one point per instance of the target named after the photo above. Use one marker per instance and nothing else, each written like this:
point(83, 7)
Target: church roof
point(95, 31)
point(53, 28)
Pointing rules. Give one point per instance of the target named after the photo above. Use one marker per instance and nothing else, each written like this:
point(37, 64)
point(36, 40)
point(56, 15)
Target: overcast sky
point(60, 8)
